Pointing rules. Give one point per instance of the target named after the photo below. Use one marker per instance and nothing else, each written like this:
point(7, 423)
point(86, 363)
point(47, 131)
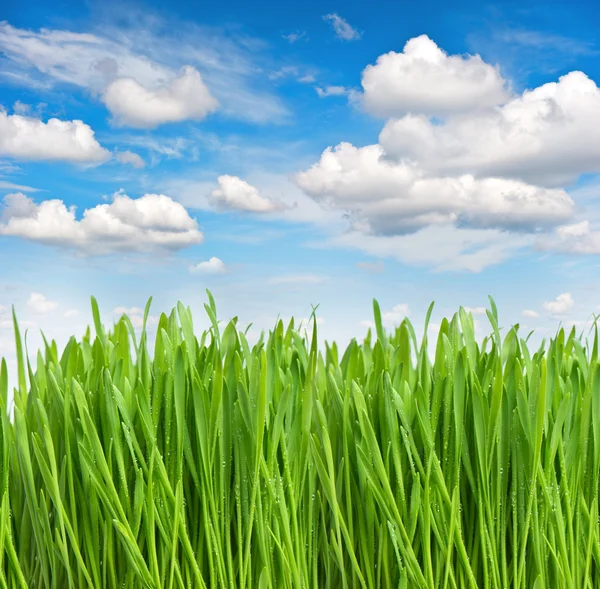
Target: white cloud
point(442, 247)
point(394, 198)
point(151, 53)
point(236, 194)
point(212, 266)
point(153, 222)
point(396, 315)
point(4, 185)
point(130, 158)
point(307, 79)
point(331, 91)
point(561, 305)
point(38, 303)
point(531, 314)
point(293, 37)
point(18, 205)
point(21, 108)
point(390, 319)
point(424, 79)
point(343, 30)
point(577, 238)
point(31, 139)
point(71, 313)
point(547, 136)
point(184, 97)
point(492, 169)
point(136, 316)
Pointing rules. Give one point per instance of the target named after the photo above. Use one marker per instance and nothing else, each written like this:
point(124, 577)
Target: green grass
point(214, 464)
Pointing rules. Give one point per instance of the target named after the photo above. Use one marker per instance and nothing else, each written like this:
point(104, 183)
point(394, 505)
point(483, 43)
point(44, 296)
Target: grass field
point(213, 464)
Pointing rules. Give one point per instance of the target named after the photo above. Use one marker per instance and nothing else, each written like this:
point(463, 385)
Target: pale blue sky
point(298, 153)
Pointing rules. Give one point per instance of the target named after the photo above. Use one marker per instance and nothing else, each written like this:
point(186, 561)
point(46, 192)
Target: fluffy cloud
point(150, 223)
point(530, 314)
point(577, 238)
point(151, 54)
point(424, 79)
point(184, 97)
point(236, 194)
point(561, 305)
point(547, 136)
point(38, 303)
point(31, 139)
point(212, 266)
point(467, 164)
point(342, 28)
point(130, 158)
point(390, 198)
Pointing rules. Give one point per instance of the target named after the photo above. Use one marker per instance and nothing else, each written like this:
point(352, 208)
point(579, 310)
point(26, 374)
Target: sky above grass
point(288, 155)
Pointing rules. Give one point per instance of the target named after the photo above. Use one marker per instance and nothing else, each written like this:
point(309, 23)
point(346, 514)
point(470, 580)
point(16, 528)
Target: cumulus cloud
point(38, 303)
point(130, 158)
point(547, 136)
point(342, 28)
point(234, 193)
point(561, 305)
point(29, 138)
point(390, 198)
point(481, 171)
point(184, 97)
point(153, 222)
point(212, 266)
point(577, 238)
point(531, 314)
point(150, 53)
point(424, 79)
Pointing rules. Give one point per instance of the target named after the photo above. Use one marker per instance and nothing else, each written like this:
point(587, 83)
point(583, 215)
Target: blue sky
point(291, 154)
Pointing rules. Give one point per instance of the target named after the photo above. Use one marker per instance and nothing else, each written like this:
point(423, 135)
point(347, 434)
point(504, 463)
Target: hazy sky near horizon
point(292, 154)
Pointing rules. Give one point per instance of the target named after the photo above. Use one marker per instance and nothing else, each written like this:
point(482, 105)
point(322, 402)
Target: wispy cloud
point(331, 91)
point(521, 52)
point(342, 28)
point(151, 54)
point(295, 36)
